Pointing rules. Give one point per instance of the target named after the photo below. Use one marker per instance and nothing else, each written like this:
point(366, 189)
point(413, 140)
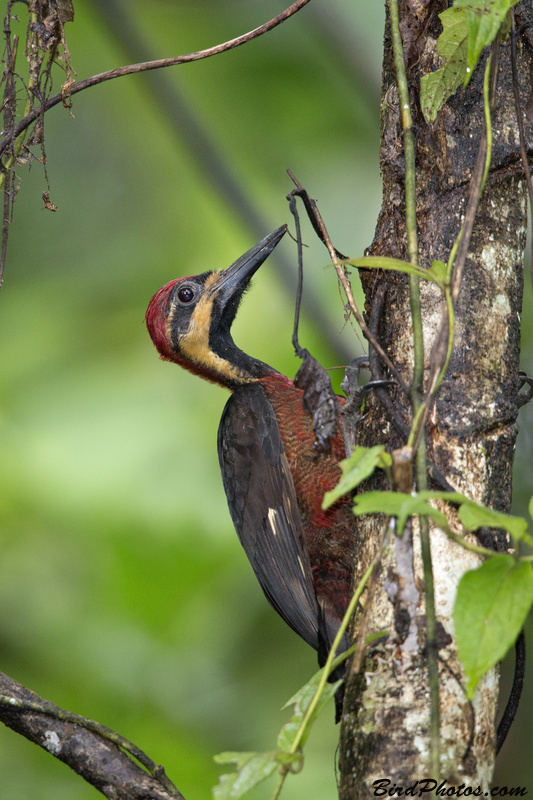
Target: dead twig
point(133, 69)
point(318, 225)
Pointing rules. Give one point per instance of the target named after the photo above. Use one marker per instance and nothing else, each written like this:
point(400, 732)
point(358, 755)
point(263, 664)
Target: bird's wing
point(262, 503)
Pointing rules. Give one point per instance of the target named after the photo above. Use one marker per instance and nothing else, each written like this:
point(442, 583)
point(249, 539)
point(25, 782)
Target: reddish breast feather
point(314, 472)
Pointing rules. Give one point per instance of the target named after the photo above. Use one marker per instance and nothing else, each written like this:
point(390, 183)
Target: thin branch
point(144, 66)
point(89, 748)
point(318, 224)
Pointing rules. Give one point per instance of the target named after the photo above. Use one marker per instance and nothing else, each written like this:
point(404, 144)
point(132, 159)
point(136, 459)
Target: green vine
point(417, 382)
point(253, 767)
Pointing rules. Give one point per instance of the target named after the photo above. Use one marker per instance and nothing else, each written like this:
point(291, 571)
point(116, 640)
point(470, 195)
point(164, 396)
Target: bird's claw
point(350, 384)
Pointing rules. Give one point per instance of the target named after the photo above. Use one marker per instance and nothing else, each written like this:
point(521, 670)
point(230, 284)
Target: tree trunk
point(471, 430)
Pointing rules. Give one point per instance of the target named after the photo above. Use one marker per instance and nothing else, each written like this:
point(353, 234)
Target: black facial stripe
point(181, 309)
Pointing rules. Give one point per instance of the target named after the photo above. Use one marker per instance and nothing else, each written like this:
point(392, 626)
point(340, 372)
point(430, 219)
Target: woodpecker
point(273, 475)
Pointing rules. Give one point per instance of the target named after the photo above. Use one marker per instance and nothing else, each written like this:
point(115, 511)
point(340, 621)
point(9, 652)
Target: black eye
point(186, 294)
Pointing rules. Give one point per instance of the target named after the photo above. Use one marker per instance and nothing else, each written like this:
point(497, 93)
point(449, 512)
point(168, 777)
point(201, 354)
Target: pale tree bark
point(471, 430)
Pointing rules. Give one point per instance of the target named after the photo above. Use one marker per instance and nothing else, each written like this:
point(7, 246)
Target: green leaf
point(399, 505)
point(301, 702)
point(452, 45)
point(288, 734)
point(484, 18)
point(490, 610)
point(474, 515)
point(440, 270)
point(252, 768)
point(394, 264)
point(361, 464)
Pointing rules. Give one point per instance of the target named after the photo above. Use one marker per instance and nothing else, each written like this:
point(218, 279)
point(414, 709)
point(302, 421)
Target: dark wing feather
point(262, 503)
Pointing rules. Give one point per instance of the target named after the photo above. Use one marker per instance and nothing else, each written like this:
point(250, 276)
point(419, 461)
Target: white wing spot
point(272, 519)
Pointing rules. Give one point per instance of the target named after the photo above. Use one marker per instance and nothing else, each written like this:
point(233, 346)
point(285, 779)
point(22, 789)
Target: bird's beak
point(240, 272)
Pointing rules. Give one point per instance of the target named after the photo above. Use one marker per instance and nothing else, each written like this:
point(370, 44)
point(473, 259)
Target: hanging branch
point(132, 69)
point(48, 18)
point(337, 257)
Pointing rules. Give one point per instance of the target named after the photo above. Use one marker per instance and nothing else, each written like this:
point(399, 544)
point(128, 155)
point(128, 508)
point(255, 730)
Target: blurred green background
point(125, 595)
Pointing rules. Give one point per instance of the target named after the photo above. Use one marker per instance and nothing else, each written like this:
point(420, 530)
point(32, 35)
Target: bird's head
point(189, 319)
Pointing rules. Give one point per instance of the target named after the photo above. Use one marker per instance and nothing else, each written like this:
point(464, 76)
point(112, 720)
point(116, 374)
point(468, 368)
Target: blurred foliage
point(125, 595)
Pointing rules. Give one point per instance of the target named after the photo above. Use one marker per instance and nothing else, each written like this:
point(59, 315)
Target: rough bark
point(471, 431)
point(97, 759)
